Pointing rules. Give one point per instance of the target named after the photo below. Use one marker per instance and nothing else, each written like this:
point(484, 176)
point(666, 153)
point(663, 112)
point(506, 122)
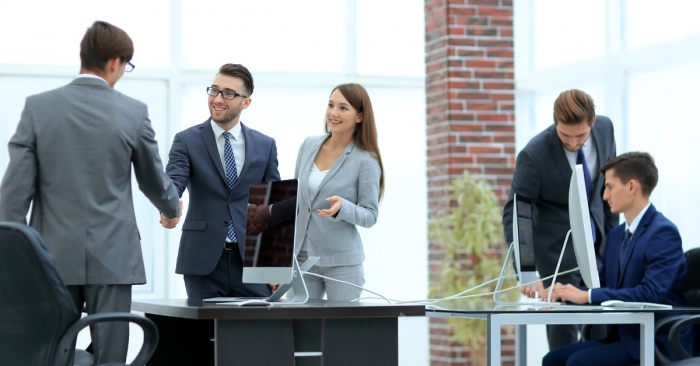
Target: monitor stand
point(298, 286)
point(499, 286)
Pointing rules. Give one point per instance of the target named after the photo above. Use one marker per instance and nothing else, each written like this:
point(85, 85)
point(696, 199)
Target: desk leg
point(254, 342)
point(493, 335)
point(521, 345)
point(646, 329)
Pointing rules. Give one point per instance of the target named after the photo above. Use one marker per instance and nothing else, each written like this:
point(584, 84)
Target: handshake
point(170, 223)
point(258, 219)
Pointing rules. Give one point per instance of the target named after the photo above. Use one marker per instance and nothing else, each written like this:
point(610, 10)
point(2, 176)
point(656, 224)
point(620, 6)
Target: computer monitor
point(523, 242)
point(581, 231)
point(269, 256)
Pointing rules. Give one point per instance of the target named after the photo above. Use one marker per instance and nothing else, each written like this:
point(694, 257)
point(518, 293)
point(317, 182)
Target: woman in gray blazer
point(341, 181)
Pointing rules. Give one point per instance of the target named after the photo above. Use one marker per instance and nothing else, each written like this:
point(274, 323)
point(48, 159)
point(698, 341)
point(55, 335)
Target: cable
point(347, 283)
point(452, 297)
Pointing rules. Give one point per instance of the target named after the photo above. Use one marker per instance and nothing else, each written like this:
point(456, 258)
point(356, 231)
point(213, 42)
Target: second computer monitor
point(523, 240)
point(581, 231)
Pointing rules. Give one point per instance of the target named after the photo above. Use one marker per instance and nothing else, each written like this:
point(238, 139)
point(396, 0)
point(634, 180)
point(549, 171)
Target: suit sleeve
point(271, 172)
point(19, 183)
point(611, 219)
point(663, 256)
point(364, 212)
point(526, 184)
point(178, 168)
point(283, 212)
point(148, 169)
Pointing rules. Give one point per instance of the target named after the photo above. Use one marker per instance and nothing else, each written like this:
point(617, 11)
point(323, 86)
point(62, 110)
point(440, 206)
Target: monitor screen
point(523, 242)
point(581, 232)
point(269, 255)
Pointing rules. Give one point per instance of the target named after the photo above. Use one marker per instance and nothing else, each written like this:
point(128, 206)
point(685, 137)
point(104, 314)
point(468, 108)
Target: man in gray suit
point(542, 175)
point(71, 157)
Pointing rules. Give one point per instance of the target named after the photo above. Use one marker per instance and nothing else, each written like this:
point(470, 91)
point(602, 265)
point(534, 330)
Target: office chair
point(39, 322)
point(691, 297)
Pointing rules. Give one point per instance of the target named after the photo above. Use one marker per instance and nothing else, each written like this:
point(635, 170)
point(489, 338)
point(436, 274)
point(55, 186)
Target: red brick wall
point(470, 118)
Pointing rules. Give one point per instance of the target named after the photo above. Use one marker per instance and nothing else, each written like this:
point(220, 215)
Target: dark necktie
point(581, 159)
point(623, 248)
point(231, 176)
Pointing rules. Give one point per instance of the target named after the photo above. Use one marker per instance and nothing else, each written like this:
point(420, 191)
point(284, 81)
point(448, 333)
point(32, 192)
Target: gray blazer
point(355, 178)
point(72, 156)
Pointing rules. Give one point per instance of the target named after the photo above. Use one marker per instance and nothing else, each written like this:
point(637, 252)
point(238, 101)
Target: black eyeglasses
point(129, 67)
point(226, 94)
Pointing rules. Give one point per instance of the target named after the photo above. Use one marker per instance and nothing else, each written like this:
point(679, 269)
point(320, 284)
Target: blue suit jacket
point(654, 271)
point(194, 163)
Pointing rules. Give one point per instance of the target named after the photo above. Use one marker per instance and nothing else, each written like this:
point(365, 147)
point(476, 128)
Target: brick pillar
point(470, 118)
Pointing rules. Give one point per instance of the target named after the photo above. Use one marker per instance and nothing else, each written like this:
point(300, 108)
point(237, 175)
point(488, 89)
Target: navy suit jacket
point(654, 271)
point(194, 163)
point(542, 175)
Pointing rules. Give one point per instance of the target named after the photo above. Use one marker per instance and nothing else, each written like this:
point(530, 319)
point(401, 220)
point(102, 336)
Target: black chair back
point(35, 306)
point(691, 291)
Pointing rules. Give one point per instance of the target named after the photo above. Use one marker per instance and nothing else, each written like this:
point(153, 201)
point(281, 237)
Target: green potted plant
point(470, 232)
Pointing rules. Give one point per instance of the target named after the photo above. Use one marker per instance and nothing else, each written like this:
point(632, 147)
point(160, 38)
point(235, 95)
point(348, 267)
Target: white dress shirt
point(237, 144)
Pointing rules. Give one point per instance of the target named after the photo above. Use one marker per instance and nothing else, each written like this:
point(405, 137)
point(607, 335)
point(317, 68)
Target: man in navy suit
point(542, 176)
point(643, 261)
point(213, 234)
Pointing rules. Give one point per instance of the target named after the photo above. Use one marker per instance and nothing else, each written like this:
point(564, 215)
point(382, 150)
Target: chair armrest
point(666, 322)
point(150, 333)
point(674, 335)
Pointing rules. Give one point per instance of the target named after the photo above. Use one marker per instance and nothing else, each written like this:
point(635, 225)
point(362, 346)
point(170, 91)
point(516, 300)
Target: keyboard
point(634, 305)
point(233, 299)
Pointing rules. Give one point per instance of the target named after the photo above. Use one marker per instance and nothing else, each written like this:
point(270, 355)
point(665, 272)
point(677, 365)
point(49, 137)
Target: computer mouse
point(610, 302)
point(254, 302)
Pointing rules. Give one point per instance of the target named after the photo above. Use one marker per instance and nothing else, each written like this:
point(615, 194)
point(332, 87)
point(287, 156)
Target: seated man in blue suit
point(643, 261)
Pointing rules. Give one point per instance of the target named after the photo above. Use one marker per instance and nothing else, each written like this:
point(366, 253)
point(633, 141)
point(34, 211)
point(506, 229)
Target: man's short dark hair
point(573, 107)
point(635, 165)
point(103, 42)
point(240, 71)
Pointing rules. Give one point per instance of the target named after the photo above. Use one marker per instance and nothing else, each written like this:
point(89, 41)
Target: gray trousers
point(110, 340)
point(336, 291)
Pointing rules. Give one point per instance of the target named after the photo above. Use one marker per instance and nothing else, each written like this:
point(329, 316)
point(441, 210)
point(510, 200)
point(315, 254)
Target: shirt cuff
point(589, 295)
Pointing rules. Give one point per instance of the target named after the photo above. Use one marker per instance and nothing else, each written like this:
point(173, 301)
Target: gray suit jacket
point(355, 178)
point(72, 157)
point(542, 175)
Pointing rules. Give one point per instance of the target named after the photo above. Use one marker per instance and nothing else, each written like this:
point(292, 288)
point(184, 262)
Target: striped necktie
point(231, 176)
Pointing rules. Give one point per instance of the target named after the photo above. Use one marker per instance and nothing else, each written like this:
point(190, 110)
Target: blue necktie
point(231, 176)
point(581, 159)
point(623, 248)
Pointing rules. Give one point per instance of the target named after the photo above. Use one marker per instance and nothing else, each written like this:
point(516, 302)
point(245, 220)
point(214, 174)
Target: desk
point(316, 333)
point(497, 315)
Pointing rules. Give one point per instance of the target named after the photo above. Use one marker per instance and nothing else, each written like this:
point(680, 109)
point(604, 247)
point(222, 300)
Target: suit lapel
point(639, 233)
point(210, 142)
point(336, 166)
point(249, 146)
point(556, 151)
